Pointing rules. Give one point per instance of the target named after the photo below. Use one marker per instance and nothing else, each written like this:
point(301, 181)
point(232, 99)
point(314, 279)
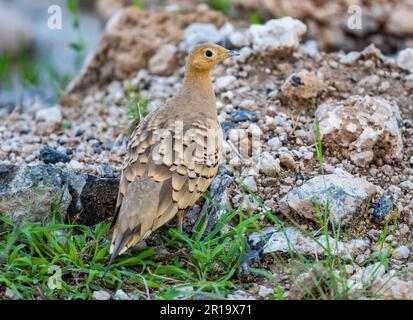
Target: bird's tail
point(115, 252)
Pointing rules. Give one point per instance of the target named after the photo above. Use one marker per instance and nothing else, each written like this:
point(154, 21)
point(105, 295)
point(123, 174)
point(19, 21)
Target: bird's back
point(172, 158)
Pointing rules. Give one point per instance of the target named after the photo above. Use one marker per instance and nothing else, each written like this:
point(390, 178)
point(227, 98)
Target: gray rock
point(407, 185)
point(51, 115)
point(9, 294)
point(405, 59)
point(223, 82)
point(239, 38)
point(267, 164)
point(401, 253)
point(52, 156)
point(251, 258)
point(250, 183)
point(275, 143)
point(243, 115)
point(265, 291)
point(240, 295)
point(350, 57)
point(365, 277)
point(383, 207)
point(101, 295)
point(291, 239)
point(277, 36)
point(164, 61)
point(198, 33)
point(219, 193)
point(121, 295)
point(346, 197)
point(27, 193)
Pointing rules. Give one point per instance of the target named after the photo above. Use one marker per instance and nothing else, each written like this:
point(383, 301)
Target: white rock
point(401, 253)
point(250, 183)
point(198, 33)
point(265, 291)
point(51, 115)
point(346, 195)
point(121, 295)
point(224, 82)
point(255, 130)
point(350, 57)
point(75, 165)
point(239, 39)
point(248, 203)
point(244, 54)
point(405, 59)
point(267, 164)
point(407, 185)
point(9, 294)
point(362, 128)
point(277, 36)
point(226, 30)
point(101, 295)
point(275, 143)
point(163, 62)
point(372, 271)
point(310, 47)
point(240, 295)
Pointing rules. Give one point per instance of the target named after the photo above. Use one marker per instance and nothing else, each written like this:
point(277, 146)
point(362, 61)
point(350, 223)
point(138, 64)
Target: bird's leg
point(181, 215)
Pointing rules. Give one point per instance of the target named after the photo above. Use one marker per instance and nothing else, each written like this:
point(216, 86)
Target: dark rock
point(93, 198)
point(383, 207)
point(296, 81)
point(214, 209)
point(251, 259)
point(243, 115)
point(109, 145)
point(52, 156)
point(227, 125)
point(28, 192)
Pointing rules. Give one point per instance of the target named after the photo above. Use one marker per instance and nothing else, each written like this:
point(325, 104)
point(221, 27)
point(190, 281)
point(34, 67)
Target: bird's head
point(205, 56)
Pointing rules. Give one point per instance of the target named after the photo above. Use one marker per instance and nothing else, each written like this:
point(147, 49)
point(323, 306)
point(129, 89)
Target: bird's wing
point(169, 165)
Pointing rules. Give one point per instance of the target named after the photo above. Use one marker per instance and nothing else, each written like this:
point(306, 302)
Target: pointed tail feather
point(115, 249)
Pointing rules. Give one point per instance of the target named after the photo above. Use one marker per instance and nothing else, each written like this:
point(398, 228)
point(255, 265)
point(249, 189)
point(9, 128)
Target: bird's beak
point(232, 53)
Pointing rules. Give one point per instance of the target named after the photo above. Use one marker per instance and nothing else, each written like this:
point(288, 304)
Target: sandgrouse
point(173, 155)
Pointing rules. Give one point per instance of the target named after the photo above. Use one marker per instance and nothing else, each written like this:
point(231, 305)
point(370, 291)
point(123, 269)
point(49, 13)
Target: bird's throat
point(198, 86)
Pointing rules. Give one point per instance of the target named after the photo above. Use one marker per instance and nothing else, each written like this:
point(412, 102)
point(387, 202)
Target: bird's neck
point(198, 86)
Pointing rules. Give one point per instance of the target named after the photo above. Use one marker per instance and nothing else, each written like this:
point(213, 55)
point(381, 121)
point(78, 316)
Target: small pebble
point(101, 295)
point(401, 253)
point(52, 156)
point(244, 115)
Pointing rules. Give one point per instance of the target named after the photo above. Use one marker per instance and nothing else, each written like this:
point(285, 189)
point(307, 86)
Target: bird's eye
point(209, 53)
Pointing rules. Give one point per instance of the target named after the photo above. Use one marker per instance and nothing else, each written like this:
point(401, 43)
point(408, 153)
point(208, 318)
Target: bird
point(172, 155)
